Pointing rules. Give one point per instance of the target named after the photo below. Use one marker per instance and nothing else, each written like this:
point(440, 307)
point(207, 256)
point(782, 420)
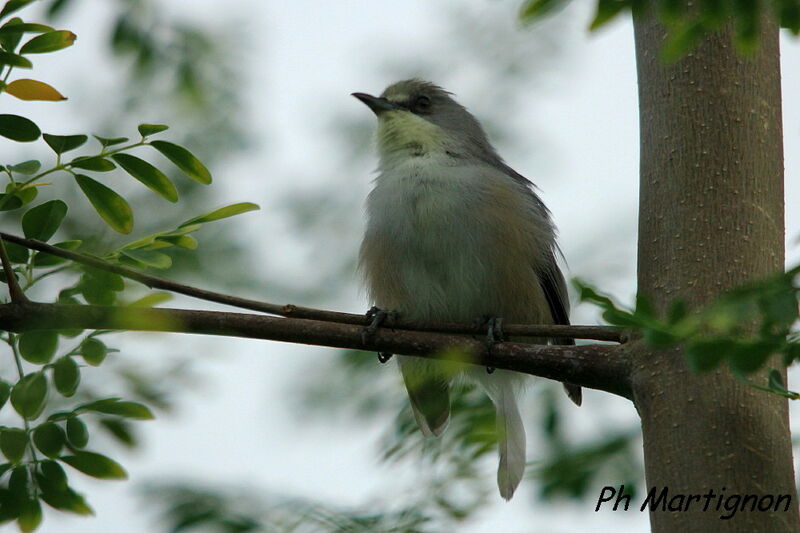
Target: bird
point(452, 234)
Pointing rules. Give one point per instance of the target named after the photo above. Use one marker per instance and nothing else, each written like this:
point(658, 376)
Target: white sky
point(308, 57)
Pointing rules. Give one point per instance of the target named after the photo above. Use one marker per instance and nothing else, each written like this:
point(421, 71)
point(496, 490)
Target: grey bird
point(453, 234)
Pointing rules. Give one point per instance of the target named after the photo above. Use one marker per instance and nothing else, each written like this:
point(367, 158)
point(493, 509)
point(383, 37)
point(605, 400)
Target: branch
point(14, 291)
point(595, 366)
point(602, 333)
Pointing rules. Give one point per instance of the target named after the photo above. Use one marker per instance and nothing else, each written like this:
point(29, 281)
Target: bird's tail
point(428, 389)
point(502, 388)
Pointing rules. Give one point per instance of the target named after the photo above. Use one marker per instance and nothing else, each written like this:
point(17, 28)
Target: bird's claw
point(494, 334)
point(378, 317)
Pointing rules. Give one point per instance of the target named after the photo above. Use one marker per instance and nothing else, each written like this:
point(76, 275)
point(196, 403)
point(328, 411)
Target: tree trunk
point(711, 218)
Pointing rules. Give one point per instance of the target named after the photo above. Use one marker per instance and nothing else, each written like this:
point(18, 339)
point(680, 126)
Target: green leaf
point(18, 128)
point(110, 141)
point(5, 390)
point(222, 212)
point(55, 492)
point(23, 27)
point(10, 39)
point(533, 10)
point(150, 300)
point(184, 160)
point(149, 258)
point(681, 39)
point(12, 443)
point(13, 5)
point(93, 351)
point(151, 129)
point(95, 465)
point(124, 409)
point(26, 167)
point(789, 14)
point(15, 197)
point(776, 381)
point(706, 355)
point(43, 259)
point(64, 143)
point(30, 515)
point(49, 438)
point(607, 10)
point(77, 434)
point(17, 254)
point(182, 241)
point(48, 42)
point(94, 163)
point(42, 222)
point(109, 205)
point(38, 347)
point(747, 357)
point(28, 396)
point(7, 58)
point(148, 174)
point(120, 429)
point(66, 376)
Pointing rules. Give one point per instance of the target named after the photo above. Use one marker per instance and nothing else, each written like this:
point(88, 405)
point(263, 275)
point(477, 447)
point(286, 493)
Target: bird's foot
point(494, 334)
point(378, 317)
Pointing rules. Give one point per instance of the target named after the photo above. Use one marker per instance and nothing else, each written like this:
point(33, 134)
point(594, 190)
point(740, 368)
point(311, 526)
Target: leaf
point(110, 141)
point(29, 167)
point(5, 390)
point(109, 205)
point(607, 10)
point(153, 178)
point(65, 500)
point(222, 212)
point(38, 347)
point(776, 381)
point(77, 434)
point(43, 259)
point(149, 258)
point(703, 356)
point(29, 394)
point(95, 465)
point(150, 300)
point(18, 128)
point(64, 143)
point(120, 429)
point(7, 58)
point(182, 241)
point(66, 376)
point(536, 9)
point(748, 357)
point(42, 222)
point(93, 351)
point(95, 163)
point(12, 443)
point(49, 42)
point(13, 5)
point(151, 129)
point(10, 39)
point(23, 27)
point(27, 89)
point(49, 438)
point(184, 160)
point(30, 515)
point(16, 253)
point(134, 410)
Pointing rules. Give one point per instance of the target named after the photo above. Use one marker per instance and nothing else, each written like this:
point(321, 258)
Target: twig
point(17, 296)
point(595, 366)
point(602, 333)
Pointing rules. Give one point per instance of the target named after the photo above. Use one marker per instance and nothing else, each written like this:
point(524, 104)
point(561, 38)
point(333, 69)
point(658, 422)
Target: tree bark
point(711, 218)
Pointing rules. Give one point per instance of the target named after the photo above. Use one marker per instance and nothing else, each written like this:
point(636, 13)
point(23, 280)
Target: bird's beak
point(377, 104)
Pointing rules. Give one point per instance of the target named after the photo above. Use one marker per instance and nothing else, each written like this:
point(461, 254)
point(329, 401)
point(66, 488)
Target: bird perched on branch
point(453, 234)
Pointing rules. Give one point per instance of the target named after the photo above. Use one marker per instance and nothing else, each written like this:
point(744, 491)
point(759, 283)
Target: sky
point(236, 427)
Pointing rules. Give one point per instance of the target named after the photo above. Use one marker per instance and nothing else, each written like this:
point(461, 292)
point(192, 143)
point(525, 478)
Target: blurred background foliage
point(169, 68)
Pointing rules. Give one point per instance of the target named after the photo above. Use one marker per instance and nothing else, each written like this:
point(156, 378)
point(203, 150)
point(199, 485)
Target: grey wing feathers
point(555, 291)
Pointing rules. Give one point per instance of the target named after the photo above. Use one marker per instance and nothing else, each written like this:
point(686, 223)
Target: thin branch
point(602, 333)
point(17, 296)
point(595, 366)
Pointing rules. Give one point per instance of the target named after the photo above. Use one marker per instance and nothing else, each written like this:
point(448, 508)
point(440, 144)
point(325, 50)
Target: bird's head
point(417, 118)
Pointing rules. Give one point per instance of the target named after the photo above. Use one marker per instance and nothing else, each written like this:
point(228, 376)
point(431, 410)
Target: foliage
point(746, 328)
point(49, 364)
point(686, 22)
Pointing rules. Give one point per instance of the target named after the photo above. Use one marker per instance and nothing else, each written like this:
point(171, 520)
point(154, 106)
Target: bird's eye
point(421, 104)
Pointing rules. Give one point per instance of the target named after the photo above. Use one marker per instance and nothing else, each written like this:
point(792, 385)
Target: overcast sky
point(305, 60)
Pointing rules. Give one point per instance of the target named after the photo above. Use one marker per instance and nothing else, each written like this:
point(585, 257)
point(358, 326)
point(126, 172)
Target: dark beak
point(377, 104)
